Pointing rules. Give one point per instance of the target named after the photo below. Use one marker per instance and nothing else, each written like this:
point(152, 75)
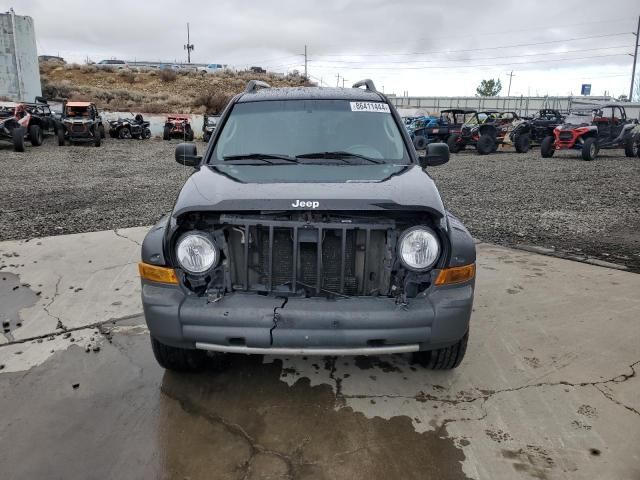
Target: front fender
point(463, 247)
point(153, 243)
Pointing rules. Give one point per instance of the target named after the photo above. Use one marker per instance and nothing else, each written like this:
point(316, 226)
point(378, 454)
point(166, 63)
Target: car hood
point(370, 187)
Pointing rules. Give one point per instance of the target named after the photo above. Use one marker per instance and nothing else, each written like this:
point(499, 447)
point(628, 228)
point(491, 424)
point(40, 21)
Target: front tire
point(35, 135)
point(631, 146)
point(455, 143)
point(178, 359)
point(166, 133)
point(486, 144)
point(420, 142)
point(18, 139)
point(546, 147)
point(444, 358)
point(96, 137)
point(124, 133)
point(61, 136)
point(522, 143)
point(589, 149)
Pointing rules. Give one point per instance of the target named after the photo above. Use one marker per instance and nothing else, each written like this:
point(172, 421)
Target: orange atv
point(178, 126)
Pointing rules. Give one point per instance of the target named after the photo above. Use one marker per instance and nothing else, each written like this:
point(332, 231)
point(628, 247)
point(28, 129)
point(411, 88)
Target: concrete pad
point(548, 388)
point(81, 279)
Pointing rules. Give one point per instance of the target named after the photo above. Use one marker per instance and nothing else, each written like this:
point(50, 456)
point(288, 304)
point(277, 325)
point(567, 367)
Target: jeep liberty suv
point(309, 227)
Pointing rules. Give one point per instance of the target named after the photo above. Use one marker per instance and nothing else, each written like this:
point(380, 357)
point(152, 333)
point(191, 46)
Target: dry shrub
point(168, 75)
point(88, 69)
point(214, 103)
point(127, 75)
point(62, 89)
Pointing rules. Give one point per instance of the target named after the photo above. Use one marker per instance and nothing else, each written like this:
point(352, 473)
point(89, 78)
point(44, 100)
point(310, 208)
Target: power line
point(479, 49)
point(346, 62)
point(453, 67)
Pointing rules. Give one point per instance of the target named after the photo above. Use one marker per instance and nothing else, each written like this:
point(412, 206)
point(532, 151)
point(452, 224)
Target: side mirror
point(187, 155)
point(437, 154)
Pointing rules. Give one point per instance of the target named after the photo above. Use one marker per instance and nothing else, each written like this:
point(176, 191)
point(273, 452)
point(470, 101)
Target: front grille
point(78, 128)
point(566, 136)
point(319, 258)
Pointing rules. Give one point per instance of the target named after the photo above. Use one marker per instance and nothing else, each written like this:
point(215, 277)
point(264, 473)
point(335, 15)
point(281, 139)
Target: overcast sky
point(425, 48)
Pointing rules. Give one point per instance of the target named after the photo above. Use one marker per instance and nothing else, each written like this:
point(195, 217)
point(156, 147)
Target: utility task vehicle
point(178, 126)
point(486, 131)
point(209, 126)
point(20, 120)
point(309, 227)
point(81, 123)
point(606, 127)
point(133, 127)
point(439, 129)
point(12, 124)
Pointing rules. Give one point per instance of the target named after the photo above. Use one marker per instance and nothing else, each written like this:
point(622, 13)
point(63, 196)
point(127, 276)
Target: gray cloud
point(274, 32)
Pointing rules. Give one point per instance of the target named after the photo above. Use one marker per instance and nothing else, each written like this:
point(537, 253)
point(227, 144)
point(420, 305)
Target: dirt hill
point(151, 91)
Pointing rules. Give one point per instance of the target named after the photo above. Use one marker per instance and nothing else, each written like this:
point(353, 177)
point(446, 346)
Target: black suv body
point(321, 233)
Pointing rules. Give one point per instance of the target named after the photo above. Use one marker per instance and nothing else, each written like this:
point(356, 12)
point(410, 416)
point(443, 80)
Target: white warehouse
point(19, 70)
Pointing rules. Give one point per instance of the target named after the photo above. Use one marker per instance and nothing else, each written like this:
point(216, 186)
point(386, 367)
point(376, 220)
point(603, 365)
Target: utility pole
point(635, 59)
point(511, 75)
point(337, 80)
point(305, 62)
point(189, 46)
point(343, 80)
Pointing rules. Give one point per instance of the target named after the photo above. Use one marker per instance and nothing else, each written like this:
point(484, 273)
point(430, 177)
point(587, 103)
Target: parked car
point(309, 227)
point(209, 126)
point(178, 126)
point(607, 127)
point(486, 131)
point(112, 63)
point(132, 127)
point(81, 123)
point(439, 129)
point(212, 68)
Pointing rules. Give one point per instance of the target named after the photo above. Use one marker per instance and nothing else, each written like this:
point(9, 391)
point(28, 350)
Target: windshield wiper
point(260, 156)
point(339, 155)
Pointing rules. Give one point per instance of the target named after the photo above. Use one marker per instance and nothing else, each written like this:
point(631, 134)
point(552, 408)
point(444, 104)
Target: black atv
point(531, 131)
point(80, 123)
point(209, 127)
point(125, 128)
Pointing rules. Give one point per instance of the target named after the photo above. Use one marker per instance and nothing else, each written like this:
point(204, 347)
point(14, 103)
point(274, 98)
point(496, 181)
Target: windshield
point(295, 128)
point(578, 119)
point(77, 112)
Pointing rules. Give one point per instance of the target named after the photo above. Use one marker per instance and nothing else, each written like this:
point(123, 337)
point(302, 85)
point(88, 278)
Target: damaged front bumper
point(250, 323)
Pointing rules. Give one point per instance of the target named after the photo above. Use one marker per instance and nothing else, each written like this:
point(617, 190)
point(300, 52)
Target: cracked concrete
point(81, 279)
point(549, 388)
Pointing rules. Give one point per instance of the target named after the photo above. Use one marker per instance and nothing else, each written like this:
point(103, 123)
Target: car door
point(603, 121)
point(617, 122)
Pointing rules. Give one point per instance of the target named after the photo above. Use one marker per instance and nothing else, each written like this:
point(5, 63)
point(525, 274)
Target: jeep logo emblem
point(307, 204)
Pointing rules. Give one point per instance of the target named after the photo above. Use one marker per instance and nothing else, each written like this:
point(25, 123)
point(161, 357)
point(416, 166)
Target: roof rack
point(366, 83)
point(255, 85)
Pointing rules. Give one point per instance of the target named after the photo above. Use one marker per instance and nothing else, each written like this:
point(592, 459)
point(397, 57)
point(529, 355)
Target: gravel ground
point(563, 204)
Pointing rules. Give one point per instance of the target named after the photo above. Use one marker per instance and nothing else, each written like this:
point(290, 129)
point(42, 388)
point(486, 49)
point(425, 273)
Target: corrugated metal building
point(19, 69)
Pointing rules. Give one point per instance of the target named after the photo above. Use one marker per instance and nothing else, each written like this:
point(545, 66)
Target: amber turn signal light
point(454, 275)
point(154, 273)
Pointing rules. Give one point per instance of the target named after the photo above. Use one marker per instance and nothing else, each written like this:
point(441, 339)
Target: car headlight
point(419, 248)
point(196, 252)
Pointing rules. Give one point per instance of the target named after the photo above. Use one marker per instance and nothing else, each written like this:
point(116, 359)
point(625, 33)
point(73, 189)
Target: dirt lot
point(565, 204)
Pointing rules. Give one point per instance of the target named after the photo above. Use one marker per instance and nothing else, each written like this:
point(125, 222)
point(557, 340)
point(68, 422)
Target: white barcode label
point(370, 107)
